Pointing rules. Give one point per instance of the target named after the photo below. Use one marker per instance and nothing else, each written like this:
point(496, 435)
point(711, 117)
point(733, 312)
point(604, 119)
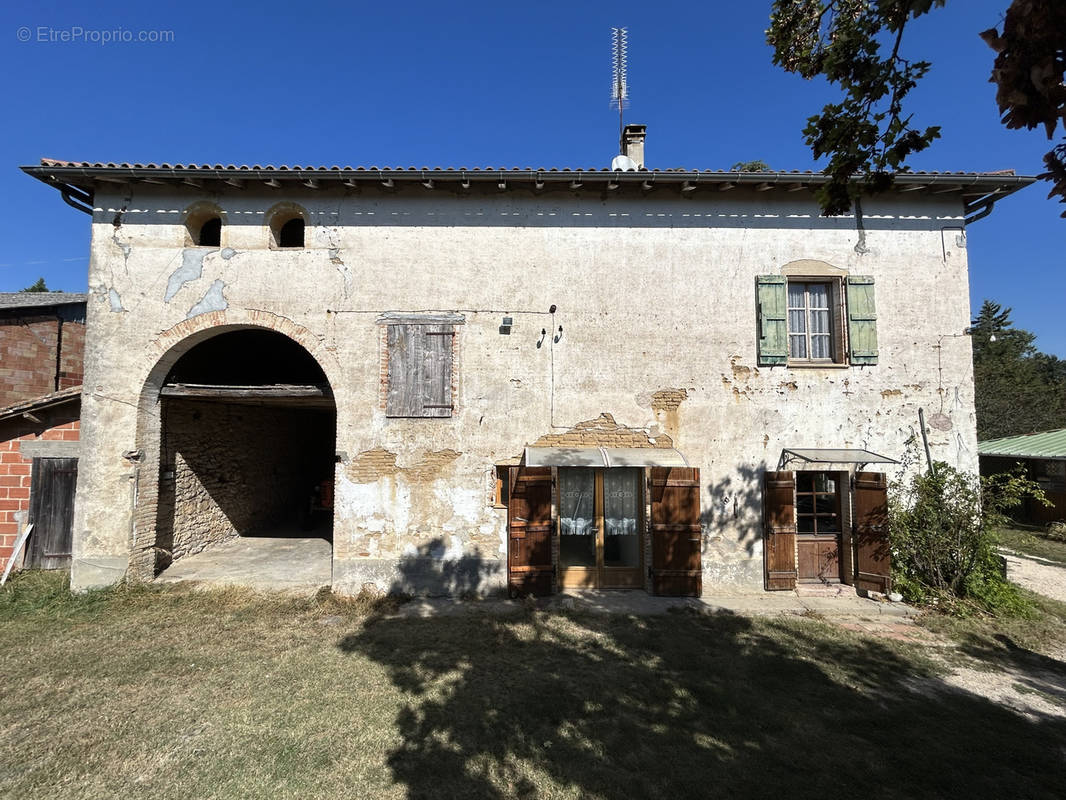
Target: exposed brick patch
point(602, 432)
point(371, 465)
point(668, 399)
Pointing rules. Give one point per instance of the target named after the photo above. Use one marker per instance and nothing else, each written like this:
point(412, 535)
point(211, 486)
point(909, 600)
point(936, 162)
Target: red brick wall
point(28, 356)
point(15, 473)
point(72, 355)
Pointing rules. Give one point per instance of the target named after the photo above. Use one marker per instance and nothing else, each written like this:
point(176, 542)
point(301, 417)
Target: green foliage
point(1030, 73)
point(845, 41)
point(1017, 388)
point(942, 531)
point(857, 45)
point(37, 286)
point(750, 166)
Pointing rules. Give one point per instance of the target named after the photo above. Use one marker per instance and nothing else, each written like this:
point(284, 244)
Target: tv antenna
point(619, 81)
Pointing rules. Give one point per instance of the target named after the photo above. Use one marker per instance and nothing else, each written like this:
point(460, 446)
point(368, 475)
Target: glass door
point(600, 530)
point(578, 530)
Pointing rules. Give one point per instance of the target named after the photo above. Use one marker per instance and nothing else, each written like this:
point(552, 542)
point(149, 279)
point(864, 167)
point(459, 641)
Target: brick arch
point(163, 353)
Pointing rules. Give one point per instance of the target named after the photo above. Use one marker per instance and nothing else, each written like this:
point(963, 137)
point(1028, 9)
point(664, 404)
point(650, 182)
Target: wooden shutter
point(780, 546)
point(676, 532)
point(53, 481)
point(862, 320)
point(420, 371)
point(436, 373)
point(772, 298)
point(529, 537)
point(873, 561)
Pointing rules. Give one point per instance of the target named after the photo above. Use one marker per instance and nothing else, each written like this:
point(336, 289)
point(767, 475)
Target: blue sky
point(473, 84)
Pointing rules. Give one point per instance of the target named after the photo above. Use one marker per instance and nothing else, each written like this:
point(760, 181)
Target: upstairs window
point(810, 322)
point(291, 234)
point(287, 224)
point(203, 225)
point(211, 233)
point(816, 321)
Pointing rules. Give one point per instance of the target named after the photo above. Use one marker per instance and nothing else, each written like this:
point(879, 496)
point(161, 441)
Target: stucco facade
point(655, 324)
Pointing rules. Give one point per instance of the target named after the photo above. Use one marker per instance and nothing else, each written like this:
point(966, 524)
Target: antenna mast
point(619, 82)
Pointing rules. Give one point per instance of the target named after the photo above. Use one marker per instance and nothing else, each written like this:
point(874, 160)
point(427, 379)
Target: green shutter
point(772, 299)
point(862, 320)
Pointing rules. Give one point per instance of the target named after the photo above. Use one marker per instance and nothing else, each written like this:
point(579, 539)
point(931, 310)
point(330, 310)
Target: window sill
point(816, 365)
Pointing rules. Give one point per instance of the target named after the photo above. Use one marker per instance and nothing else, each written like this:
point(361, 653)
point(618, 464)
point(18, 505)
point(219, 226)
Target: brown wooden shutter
point(53, 482)
point(529, 538)
point(780, 546)
point(676, 532)
point(873, 561)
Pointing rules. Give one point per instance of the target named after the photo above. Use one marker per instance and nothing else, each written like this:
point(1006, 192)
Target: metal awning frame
point(599, 457)
point(804, 455)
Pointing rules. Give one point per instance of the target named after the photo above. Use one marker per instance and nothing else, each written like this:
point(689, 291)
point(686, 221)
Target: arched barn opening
point(246, 461)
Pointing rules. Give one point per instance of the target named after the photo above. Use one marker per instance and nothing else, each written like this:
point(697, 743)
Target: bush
point(942, 531)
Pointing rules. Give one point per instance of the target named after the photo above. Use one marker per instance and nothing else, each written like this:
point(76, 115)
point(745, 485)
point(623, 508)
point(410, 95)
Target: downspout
point(77, 198)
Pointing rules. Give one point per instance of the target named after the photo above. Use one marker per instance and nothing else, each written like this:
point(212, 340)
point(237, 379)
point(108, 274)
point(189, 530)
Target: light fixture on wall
point(505, 326)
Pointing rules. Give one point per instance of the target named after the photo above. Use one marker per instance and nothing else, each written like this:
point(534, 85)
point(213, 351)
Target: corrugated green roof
point(1048, 444)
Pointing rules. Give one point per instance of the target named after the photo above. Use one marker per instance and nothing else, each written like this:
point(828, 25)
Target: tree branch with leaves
point(858, 44)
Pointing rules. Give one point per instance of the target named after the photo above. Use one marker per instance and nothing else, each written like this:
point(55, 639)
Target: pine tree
point(1017, 388)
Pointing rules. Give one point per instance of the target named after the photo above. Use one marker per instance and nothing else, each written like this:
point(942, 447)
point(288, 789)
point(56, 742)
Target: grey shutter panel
point(420, 371)
point(436, 374)
point(772, 299)
point(404, 397)
point(862, 320)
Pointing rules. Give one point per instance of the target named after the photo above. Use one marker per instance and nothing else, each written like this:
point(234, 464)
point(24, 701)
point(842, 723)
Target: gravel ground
point(1037, 576)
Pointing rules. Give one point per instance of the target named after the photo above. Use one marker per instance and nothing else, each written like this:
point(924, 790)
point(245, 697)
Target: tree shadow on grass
point(687, 705)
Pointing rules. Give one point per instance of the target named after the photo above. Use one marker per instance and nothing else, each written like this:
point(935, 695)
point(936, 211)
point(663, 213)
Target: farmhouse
point(475, 380)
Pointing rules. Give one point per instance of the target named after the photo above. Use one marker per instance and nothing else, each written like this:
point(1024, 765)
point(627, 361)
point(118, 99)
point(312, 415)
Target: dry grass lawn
point(141, 692)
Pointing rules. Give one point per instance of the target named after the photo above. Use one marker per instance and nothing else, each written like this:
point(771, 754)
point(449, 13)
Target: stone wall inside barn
point(228, 470)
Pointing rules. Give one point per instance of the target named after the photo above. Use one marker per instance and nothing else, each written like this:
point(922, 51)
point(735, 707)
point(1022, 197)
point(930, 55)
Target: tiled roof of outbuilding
point(39, 299)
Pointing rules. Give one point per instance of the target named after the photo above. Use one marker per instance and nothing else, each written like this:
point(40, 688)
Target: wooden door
point(819, 526)
point(873, 561)
point(53, 482)
point(529, 523)
point(676, 532)
point(780, 546)
point(600, 528)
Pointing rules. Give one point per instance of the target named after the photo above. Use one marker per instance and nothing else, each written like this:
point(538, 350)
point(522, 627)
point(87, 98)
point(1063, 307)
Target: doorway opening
point(247, 452)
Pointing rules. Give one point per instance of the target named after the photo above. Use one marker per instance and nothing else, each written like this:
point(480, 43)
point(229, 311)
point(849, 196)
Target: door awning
point(604, 457)
point(843, 455)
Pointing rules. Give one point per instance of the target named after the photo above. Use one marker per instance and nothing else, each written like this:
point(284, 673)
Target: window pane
point(795, 295)
point(819, 322)
point(797, 322)
point(820, 346)
point(805, 524)
point(797, 347)
point(621, 500)
point(824, 482)
point(577, 518)
point(826, 503)
point(804, 504)
point(818, 294)
point(828, 525)
point(805, 481)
